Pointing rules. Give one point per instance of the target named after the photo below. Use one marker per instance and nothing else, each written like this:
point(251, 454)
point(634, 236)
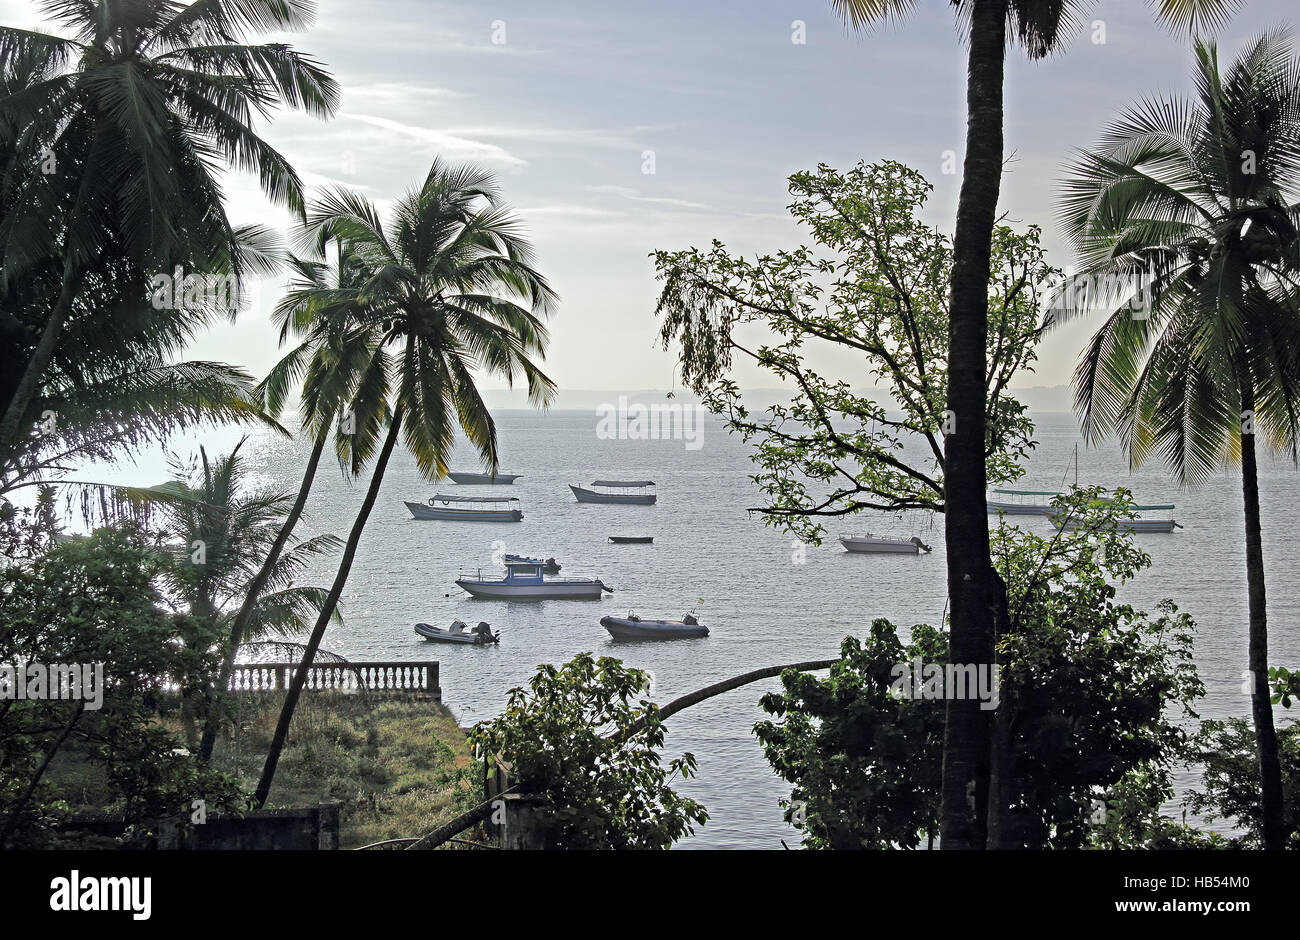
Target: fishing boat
point(883, 544)
point(1024, 503)
point(481, 635)
point(633, 627)
point(483, 479)
point(1128, 525)
point(549, 565)
point(526, 581)
point(628, 492)
point(631, 539)
point(467, 508)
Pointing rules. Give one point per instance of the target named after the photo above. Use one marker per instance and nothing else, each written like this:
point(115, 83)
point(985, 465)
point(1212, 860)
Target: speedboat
point(549, 565)
point(483, 479)
point(633, 627)
point(481, 635)
point(883, 544)
point(627, 492)
point(526, 581)
point(468, 508)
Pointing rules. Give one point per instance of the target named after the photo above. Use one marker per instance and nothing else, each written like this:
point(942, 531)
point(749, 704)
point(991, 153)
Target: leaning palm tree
point(335, 361)
point(112, 136)
point(977, 594)
point(1193, 204)
point(450, 285)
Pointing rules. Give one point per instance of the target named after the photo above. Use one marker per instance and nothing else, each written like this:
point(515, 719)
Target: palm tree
point(216, 531)
point(450, 285)
point(976, 592)
point(134, 109)
point(334, 361)
point(1194, 203)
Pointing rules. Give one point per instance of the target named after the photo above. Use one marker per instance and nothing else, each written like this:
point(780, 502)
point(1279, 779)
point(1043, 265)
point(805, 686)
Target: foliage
point(1084, 686)
point(876, 286)
point(1231, 779)
point(864, 762)
point(94, 600)
point(579, 737)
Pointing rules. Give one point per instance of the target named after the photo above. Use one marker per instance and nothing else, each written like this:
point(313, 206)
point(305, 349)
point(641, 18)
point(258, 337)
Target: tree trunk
point(1270, 769)
point(11, 426)
point(327, 611)
point(972, 581)
point(219, 691)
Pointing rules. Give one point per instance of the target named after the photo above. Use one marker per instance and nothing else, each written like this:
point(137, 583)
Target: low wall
point(411, 678)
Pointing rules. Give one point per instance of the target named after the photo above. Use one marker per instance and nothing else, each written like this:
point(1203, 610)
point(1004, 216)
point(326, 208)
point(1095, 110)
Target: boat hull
point(632, 539)
point(484, 479)
point(879, 546)
point(585, 495)
point(1019, 509)
point(621, 628)
point(551, 590)
point(423, 511)
point(1129, 525)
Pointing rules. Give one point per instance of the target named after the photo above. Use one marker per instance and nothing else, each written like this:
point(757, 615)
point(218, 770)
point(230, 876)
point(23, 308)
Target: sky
point(573, 103)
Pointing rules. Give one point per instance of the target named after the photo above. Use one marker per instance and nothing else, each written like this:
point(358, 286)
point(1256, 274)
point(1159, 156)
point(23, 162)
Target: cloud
point(627, 192)
point(450, 145)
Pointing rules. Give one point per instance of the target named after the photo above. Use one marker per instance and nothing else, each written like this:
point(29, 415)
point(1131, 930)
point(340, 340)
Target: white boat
point(467, 508)
point(483, 479)
point(883, 544)
point(628, 492)
point(633, 627)
point(1025, 503)
point(1128, 525)
point(481, 635)
point(527, 581)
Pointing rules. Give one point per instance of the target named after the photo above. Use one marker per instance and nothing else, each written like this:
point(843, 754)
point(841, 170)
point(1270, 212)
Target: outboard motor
point(919, 544)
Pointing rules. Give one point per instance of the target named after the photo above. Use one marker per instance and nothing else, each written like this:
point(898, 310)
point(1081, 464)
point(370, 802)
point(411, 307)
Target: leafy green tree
point(449, 286)
point(580, 737)
point(112, 136)
point(875, 285)
point(1191, 203)
point(1081, 697)
point(1230, 780)
point(97, 600)
point(977, 598)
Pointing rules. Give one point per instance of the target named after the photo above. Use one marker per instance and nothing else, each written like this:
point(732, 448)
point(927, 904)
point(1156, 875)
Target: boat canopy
point(475, 499)
point(1027, 493)
point(1155, 508)
point(637, 483)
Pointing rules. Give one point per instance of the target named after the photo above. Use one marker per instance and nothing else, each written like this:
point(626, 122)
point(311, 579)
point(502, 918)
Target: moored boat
point(633, 627)
point(631, 539)
point(549, 565)
point(467, 508)
point(481, 635)
point(1025, 503)
point(526, 581)
point(883, 544)
point(1139, 525)
point(483, 479)
point(627, 492)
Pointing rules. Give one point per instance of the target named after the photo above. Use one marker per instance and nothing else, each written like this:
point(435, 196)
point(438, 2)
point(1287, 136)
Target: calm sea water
point(764, 600)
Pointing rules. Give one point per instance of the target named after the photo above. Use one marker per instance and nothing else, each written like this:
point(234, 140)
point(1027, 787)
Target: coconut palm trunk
point(1261, 706)
point(327, 611)
point(239, 626)
point(974, 587)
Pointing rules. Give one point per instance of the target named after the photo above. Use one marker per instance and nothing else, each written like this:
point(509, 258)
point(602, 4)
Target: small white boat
point(1128, 525)
point(633, 627)
point(627, 492)
point(526, 581)
point(883, 544)
point(483, 479)
point(467, 508)
point(1025, 503)
point(481, 635)
point(549, 565)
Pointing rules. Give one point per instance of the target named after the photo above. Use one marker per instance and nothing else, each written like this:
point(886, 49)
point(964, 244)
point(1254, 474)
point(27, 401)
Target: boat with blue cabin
point(527, 581)
point(627, 492)
point(467, 508)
